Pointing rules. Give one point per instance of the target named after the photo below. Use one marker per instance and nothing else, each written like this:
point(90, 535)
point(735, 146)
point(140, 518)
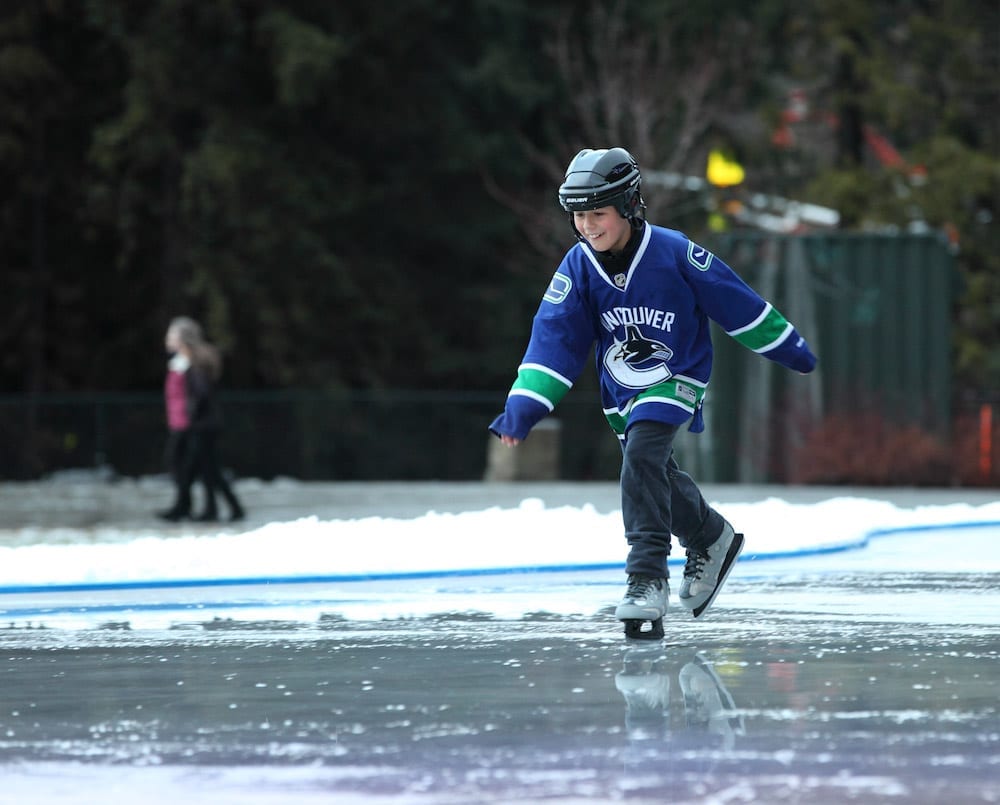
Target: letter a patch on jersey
point(558, 289)
point(699, 257)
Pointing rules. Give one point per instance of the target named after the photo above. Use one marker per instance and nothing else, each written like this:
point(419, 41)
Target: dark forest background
point(362, 195)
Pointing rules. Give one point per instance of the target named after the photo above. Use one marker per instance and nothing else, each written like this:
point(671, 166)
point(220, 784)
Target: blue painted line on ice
point(173, 584)
point(168, 606)
point(915, 529)
point(865, 540)
point(176, 584)
point(801, 552)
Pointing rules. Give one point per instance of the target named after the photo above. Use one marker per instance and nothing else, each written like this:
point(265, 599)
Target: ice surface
point(473, 657)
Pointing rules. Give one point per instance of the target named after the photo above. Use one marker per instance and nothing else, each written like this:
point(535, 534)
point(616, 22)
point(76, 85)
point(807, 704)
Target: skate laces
point(695, 562)
point(640, 586)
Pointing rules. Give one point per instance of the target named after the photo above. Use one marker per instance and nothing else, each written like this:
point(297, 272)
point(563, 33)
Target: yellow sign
point(722, 171)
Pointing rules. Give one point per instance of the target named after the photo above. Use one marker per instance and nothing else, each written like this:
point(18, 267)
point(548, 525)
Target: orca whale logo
point(638, 362)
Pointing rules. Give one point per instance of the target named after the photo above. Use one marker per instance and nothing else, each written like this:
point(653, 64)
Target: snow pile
point(530, 536)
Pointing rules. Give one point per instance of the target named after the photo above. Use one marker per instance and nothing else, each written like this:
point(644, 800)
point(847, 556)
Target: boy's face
point(603, 228)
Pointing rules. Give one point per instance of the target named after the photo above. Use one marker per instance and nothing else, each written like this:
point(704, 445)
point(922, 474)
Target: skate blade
point(734, 551)
point(644, 629)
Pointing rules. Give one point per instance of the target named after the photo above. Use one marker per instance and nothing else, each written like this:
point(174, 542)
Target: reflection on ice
point(647, 677)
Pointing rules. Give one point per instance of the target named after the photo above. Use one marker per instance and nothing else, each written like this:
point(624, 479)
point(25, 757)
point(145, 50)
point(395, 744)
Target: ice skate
point(706, 570)
point(645, 602)
point(708, 703)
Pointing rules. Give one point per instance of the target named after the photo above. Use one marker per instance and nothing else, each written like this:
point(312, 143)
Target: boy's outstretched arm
point(561, 337)
point(534, 395)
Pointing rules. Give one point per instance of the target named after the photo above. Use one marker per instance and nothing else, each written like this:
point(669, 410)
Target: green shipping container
point(875, 308)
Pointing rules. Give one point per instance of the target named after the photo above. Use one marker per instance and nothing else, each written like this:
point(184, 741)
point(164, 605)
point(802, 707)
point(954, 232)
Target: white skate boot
point(645, 602)
point(706, 570)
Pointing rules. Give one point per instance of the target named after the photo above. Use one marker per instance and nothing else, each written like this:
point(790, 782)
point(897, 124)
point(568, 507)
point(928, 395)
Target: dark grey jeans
point(658, 499)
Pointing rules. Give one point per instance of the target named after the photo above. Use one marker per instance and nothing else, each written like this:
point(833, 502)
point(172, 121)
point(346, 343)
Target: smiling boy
point(644, 295)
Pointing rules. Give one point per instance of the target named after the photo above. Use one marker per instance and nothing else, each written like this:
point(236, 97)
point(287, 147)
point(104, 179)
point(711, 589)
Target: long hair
point(204, 355)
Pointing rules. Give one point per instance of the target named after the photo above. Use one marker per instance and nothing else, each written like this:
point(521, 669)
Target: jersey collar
point(624, 278)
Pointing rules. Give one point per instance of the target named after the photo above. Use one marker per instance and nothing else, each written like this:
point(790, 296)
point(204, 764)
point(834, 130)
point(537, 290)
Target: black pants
point(176, 458)
point(192, 456)
point(658, 499)
point(204, 463)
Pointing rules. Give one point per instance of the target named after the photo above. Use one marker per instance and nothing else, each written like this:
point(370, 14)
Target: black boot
point(210, 514)
point(236, 511)
point(174, 514)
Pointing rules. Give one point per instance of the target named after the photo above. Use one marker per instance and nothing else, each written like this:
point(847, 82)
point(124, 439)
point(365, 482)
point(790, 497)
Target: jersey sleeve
point(561, 337)
point(742, 312)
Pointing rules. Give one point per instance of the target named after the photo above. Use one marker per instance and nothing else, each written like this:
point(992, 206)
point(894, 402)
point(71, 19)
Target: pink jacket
point(175, 395)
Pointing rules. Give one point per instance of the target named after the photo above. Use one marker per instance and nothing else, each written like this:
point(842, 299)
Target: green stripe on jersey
point(546, 385)
point(764, 333)
point(616, 421)
point(680, 393)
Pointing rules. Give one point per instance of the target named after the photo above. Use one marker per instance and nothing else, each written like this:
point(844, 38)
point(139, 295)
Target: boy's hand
point(510, 441)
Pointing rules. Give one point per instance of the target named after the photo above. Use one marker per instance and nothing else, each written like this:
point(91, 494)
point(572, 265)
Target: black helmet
point(599, 178)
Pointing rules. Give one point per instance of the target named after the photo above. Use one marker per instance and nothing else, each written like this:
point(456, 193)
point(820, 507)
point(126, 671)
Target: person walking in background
point(645, 295)
point(199, 365)
point(175, 398)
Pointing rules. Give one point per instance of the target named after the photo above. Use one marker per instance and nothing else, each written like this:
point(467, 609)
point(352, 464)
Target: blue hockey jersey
point(651, 328)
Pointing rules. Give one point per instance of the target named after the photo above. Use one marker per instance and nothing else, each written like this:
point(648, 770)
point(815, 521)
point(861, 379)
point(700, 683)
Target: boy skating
point(643, 295)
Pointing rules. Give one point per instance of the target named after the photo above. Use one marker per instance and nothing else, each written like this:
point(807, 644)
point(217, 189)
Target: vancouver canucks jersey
point(650, 324)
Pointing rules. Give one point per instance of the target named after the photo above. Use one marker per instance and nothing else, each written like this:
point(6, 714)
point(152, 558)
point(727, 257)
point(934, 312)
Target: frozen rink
point(454, 643)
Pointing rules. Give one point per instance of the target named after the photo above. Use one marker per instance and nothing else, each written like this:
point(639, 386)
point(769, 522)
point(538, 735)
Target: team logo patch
point(638, 362)
point(699, 257)
point(558, 289)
